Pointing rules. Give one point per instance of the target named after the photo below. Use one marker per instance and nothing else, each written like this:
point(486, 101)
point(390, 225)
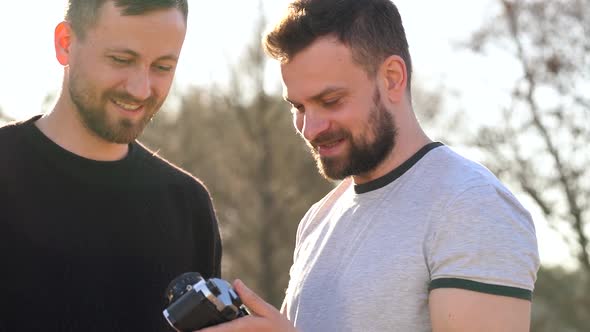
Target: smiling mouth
point(127, 106)
point(330, 144)
point(327, 149)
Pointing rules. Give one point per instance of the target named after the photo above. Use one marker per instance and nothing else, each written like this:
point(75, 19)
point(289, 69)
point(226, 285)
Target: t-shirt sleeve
point(484, 241)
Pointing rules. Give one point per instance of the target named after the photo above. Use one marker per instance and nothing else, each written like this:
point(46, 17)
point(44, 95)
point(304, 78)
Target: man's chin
point(127, 131)
point(121, 134)
point(332, 170)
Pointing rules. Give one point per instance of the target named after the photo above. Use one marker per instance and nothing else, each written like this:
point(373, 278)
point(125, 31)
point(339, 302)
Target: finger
point(255, 304)
point(243, 324)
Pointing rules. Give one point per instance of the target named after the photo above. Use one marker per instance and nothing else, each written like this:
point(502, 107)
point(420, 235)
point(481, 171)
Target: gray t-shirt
point(366, 256)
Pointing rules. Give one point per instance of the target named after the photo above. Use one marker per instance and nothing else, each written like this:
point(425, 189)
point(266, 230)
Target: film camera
point(195, 303)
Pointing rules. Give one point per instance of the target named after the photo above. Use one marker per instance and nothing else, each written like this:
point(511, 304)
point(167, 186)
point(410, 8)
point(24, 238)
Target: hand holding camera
point(195, 303)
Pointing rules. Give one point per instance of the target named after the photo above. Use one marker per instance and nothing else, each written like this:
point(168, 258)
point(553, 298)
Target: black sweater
point(91, 246)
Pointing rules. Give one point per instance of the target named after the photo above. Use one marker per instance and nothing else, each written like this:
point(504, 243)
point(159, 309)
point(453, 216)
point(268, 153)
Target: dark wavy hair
point(371, 28)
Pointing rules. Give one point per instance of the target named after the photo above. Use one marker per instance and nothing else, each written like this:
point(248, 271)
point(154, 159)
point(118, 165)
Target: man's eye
point(331, 102)
point(164, 68)
point(120, 60)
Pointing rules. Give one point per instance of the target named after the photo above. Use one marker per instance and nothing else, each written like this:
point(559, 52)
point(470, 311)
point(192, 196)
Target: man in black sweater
point(93, 226)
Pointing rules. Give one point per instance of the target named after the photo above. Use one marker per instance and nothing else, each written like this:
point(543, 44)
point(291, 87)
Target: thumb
point(255, 303)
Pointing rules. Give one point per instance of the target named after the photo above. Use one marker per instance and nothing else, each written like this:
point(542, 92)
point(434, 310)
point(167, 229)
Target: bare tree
point(542, 144)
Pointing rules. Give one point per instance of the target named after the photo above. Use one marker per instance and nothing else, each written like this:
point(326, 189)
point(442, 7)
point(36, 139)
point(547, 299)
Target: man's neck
point(65, 128)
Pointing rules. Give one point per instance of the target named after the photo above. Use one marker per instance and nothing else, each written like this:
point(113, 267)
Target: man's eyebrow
point(123, 50)
point(131, 52)
point(169, 57)
point(318, 97)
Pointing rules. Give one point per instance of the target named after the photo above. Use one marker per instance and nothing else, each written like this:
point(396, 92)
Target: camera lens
point(181, 284)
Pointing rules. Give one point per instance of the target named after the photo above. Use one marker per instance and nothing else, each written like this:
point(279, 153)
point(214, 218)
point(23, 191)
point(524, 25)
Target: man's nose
point(313, 124)
point(139, 84)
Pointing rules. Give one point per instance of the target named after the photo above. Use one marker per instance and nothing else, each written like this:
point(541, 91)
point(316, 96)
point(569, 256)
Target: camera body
point(195, 303)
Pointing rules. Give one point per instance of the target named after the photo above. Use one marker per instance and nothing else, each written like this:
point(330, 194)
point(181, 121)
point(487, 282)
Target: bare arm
point(458, 310)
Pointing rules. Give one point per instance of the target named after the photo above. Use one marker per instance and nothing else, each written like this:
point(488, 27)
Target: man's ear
point(394, 74)
point(63, 40)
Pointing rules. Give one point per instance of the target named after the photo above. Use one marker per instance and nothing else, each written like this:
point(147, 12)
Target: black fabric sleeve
point(481, 287)
point(207, 236)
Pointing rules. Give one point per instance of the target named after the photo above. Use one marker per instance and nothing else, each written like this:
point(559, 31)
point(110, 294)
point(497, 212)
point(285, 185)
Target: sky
point(218, 32)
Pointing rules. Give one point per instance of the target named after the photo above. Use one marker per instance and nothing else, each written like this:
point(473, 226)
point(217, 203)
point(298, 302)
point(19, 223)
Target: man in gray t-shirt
point(415, 237)
point(367, 254)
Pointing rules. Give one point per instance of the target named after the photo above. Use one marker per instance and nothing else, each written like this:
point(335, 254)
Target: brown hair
point(82, 14)
point(371, 28)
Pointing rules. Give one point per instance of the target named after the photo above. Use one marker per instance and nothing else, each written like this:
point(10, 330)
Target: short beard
point(92, 111)
point(363, 156)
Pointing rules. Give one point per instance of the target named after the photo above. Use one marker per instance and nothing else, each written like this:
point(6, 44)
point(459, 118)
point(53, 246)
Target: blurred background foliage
point(241, 142)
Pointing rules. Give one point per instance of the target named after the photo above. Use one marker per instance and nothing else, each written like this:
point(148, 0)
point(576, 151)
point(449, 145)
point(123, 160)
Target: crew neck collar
point(396, 172)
